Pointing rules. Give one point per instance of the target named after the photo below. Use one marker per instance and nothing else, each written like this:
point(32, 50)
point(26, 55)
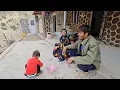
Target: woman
point(64, 41)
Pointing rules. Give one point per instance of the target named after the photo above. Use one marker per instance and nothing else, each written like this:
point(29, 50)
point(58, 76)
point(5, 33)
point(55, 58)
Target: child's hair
point(74, 37)
point(36, 53)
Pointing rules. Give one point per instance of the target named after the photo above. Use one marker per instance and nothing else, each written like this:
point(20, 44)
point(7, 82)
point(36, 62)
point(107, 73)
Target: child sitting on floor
point(33, 65)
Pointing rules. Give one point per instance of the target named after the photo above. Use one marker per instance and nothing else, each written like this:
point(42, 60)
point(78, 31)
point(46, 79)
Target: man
point(88, 50)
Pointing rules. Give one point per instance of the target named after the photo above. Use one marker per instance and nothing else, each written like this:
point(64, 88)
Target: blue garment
point(61, 57)
point(72, 52)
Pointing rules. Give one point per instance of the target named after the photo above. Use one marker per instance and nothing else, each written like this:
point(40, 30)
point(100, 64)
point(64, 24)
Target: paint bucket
point(49, 35)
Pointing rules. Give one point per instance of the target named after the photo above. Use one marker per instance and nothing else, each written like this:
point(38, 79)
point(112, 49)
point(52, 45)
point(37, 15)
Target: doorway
point(32, 26)
point(96, 23)
point(54, 23)
point(24, 25)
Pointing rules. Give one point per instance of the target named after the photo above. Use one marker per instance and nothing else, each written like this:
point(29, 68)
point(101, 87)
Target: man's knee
point(91, 67)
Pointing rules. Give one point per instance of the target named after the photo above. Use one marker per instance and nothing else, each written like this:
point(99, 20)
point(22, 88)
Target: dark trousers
point(56, 51)
point(84, 68)
point(38, 68)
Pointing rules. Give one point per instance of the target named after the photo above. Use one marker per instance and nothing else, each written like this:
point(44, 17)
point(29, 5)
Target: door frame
point(54, 23)
point(93, 25)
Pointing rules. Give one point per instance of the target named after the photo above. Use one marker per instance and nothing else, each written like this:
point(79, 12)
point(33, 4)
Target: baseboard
point(40, 35)
point(19, 39)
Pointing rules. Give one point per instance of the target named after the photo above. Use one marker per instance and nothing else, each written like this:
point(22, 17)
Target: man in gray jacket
point(89, 50)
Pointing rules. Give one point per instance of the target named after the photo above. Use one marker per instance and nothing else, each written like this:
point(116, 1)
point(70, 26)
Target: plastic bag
point(51, 67)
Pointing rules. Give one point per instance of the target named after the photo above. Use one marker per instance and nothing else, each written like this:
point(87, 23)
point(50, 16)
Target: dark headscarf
point(65, 39)
point(64, 30)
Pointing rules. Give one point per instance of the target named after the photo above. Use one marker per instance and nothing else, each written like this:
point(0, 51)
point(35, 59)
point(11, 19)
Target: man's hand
point(70, 60)
point(64, 51)
point(55, 47)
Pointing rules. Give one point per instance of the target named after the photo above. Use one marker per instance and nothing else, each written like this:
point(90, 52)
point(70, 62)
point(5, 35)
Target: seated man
point(88, 49)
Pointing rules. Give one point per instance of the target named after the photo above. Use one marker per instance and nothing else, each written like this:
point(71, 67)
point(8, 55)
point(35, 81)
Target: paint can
point(49, 35)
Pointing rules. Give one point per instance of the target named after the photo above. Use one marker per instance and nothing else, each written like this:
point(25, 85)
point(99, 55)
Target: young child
point(33, 65)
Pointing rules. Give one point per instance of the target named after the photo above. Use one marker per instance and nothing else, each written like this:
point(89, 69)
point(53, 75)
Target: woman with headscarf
point(64, 41)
